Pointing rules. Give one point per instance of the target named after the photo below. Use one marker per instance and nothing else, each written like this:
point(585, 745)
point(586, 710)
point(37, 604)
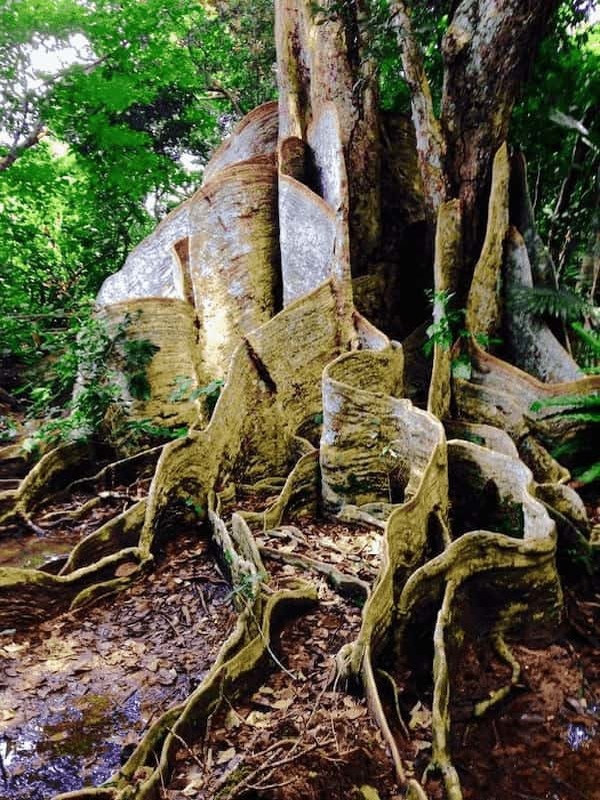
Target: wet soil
point(60, 525)
point(544, 741)
point(77, 690)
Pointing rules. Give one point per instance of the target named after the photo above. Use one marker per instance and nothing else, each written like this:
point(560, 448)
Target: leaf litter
point(77, 690)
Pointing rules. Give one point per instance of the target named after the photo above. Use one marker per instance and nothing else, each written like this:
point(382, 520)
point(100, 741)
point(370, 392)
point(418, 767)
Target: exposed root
point(440, 726)
point(50, 470)
point(504, 652)
point(347, 585)
point(117, 472)
point(28, 523)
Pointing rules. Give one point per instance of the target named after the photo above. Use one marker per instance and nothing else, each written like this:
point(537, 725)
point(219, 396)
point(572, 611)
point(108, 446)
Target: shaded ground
point(543, 742)
point(78, 691)
point(297, 736)
point(75, 691)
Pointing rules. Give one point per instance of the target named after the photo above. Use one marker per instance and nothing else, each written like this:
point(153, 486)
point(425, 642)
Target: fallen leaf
point(282, 704)
point(258, 719)
point(59, 737)
point(55, 664)
point(232, 720)
point(13, 647)
point(225, 756)
point(355, 713)
point(421, 744)
point(126, 569)
point(166, 677)
point(420, 716)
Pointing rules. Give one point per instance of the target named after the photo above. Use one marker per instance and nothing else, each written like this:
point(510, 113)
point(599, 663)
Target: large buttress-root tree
point(290, 275)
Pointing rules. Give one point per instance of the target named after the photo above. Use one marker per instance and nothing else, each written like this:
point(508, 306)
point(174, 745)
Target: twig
point(168, 621)
point(269, 768)
point(263, 787)
point(268, 646)
point(392, 682)
point(186, 746)
point(200, 592)
point(160, 775)
point(30, 524)
point(280, 743)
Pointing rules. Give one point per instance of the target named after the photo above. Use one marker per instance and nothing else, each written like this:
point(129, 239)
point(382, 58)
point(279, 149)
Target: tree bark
point(488, 49)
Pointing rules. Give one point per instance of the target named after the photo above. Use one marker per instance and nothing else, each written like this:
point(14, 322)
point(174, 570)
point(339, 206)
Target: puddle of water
point(578, 735)
point(33, 551)
point(78, 747)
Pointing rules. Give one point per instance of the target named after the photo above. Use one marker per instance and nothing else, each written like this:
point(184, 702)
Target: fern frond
point(587, 418)
point(542, 301)
point(569, 401)
point(589, 337)
point(591, 474)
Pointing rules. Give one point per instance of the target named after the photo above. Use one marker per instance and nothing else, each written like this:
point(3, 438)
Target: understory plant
point(101, 355)
point(210, 393)
point(579, 409)
point(447, 329)
point(574, 313)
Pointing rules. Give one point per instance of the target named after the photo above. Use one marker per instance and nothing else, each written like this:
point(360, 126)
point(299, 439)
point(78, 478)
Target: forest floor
point(78, 691)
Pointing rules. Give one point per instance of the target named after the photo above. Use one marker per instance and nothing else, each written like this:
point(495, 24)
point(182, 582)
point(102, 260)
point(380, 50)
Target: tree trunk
point(454, 495)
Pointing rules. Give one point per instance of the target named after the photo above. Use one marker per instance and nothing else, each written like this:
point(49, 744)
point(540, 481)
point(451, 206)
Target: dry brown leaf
point(258, 719)
point(225, 756)
point(232, 720)
point(166, 677)
point(126, 569)
point(282, 704)
point(13, 648)
point(421, 744)
point(420, 716)
point(60, 736)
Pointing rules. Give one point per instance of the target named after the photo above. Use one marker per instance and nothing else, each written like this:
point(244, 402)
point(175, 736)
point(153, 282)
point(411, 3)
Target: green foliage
point(183, 392)
point(101, 355)
point(589, 352)
point(246, 588)
point(560, 101)
point(578, 410)
point(8, 429)
point(562, 304)
point(589, 401)
point(444, 330)
point(134, 433)
point(462, 367)
point(447, 328)
point(211, 393)
point(190, 503)
point(568, 306)
point(153, 82)
point(591, 474)
point(137, 355)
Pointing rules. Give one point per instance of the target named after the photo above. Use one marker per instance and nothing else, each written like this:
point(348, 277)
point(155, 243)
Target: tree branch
point(36, 135)
point(218, 88)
